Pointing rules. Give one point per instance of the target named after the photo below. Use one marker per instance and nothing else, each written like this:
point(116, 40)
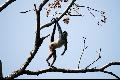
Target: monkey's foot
point(48, 63)
point(52, 66)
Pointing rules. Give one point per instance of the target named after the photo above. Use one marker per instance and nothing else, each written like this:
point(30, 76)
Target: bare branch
point(8, 2)
point(42, 4)
point(38, 42)
point(91, 12)
point(80, 59)
point(54, 69)
point(75, 15)
point(52, 22)
point(78, 5)
point(110, 64)
point(27, 11)
point(40, 7)
point(94, 61)
point(83, 51)
point(111, 73)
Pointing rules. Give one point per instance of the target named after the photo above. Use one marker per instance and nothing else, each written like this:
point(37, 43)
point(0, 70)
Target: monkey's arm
point(60, 30)
point(53, 33)
point(65, 47)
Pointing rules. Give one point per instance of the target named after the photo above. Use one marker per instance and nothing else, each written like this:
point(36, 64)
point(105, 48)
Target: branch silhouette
point(8, 2)
point(38, 40)
point(52, 22)
point(55, 69)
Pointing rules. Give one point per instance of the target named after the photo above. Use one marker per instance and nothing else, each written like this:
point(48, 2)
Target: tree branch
point(38, 42)
point(8, 2)
point(94, 61)
point(110, 64)
point(42, 4)
point(55, 69)
point(111, 73)
point(52, 22)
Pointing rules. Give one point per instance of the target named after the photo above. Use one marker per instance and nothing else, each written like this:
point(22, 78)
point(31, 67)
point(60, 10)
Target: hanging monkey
point(62, 40)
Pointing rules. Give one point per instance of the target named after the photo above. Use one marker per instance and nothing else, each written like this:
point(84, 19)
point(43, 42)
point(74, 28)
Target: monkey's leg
point(54, 57)
point(48, 59)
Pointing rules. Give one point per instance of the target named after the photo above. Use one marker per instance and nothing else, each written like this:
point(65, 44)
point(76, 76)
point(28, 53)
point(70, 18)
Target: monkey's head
point(65, 33)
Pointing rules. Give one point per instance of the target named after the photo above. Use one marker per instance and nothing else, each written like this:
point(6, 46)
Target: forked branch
point(38, 42)
point(55, 69)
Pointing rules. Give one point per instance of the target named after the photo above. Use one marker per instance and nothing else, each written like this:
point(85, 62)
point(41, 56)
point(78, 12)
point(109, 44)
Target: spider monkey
point(62, 40)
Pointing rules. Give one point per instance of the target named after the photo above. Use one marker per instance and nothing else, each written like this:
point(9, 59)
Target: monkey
point(62, 40)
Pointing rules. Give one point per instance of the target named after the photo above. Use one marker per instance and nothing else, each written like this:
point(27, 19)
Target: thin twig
point(84, 48)
point(27, 11)
point(80, 59)
point(91, 13)
point(94, 61)
point(75, 14)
